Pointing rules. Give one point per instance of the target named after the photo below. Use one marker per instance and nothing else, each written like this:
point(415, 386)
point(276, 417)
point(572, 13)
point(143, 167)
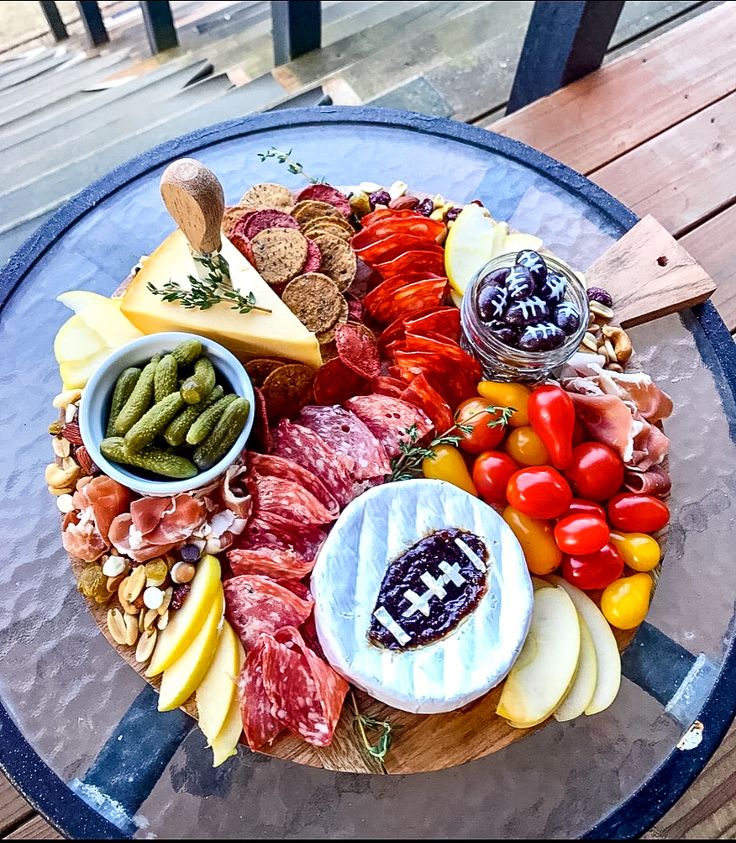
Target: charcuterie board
point(646, 273)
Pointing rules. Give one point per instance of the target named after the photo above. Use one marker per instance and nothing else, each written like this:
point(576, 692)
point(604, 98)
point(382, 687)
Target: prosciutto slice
point(80, 536)
point(606, 419)
point(108, 499)
point(654, 481)
point(639, 389)
point(235, 494)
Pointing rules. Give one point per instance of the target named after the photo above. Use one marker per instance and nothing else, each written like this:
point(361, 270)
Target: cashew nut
point(621, 342)
point(60, 476)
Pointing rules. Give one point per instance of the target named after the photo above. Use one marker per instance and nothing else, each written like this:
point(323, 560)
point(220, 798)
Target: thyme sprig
point(363, 724)
point(205, 292)
point(291, 165)
point(408, 464)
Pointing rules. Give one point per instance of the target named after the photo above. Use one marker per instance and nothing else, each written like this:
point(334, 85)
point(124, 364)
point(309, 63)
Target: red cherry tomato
point(581, 534)
point(581, 507)
point(593, 570)
point(595, 471)
point(637, 513)
point(552, 415)
point(482, 437)
point(491, 473)
point(539, 491)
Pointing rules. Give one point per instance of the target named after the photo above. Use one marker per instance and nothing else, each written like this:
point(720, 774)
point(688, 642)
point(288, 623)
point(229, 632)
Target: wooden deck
point(656, 128)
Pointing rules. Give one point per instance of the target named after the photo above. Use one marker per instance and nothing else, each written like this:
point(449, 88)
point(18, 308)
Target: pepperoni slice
point(347, 434)
point(255, 605)
point(389, 419)
point(421, 394)
point(273, 466)
point(443, 320)
point(278, 564)
point(386, 385)
point(380, 301)
point(306, 691)
point(260, 436)
point(304, 446)
point(398, 222)
point(288, 499)
point(410, 299)
point(259, 724)
point(412, 261)
point(396, 244)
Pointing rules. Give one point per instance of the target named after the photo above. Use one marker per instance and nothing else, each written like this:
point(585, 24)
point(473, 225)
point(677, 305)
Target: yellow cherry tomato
point(537, 540)
point(625, 602)
point(448, 464)
point(640, 551)
point(514, 395)
point(524, 445)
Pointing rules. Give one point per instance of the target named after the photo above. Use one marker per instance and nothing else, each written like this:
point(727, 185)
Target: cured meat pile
point(320, 461)
point(422, 339)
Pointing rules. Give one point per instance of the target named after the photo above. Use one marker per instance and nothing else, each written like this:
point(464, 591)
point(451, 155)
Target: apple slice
point(181, 679)
point(606, 650)
point(500, 233)
point(75, 340)
point(188, 620)
point(101, 312)
point(583, 687)
point(217, 690)
point(225, 743)
point(469, 245)
point(76, 373)
point(517, 241)
point(545, 669)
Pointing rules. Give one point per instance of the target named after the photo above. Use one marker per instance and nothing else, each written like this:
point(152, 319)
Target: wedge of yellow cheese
point(247, 335)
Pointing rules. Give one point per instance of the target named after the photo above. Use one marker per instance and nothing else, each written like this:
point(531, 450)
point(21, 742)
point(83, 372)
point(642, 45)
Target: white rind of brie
point(373, 531)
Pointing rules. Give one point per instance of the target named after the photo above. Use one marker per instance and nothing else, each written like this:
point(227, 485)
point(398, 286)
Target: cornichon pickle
point(197, 387)
point(176, 431)
point(140, 399)
point(152, 422)
point(206, 422)
point(222, 438)
point(165, 380)
point(187, 352)
point(123, 387)
point(151, 459)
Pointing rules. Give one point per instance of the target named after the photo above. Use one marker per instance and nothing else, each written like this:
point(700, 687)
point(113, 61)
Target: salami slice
point(261, 434)
point(326, 193)
point(273, 466)
point(421, 394)
point(335, 382)
point(256, 605)
point(306, 691)
point(389, 419)
point(289, 500)
point(304, 446)
point(259, 533)
point(259, 723)
point(279, 564)
point(347, 434)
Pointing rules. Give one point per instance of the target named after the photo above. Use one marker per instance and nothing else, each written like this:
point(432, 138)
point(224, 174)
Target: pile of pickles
point(170, 417)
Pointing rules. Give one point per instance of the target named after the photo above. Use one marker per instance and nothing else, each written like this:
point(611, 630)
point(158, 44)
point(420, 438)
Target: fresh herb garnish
point(364, 723)
point(203, 293)
point(292, 166)
point(408, 464)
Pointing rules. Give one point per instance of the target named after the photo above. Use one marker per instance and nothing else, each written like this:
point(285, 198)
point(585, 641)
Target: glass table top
point(73, 705)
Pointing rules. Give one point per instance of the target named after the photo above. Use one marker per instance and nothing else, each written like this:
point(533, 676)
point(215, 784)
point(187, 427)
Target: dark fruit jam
point(429, 589)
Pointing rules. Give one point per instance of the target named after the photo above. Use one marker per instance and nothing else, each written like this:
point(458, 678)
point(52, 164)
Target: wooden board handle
point(649, 274)
point(193, 196)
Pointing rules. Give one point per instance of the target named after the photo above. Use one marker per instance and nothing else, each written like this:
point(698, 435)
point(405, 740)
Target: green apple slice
point(217, 690)
point(469, 246)
point(518, 240)
point(75, 340)
point(100, 312)
point(581, 692)
point(225, 744)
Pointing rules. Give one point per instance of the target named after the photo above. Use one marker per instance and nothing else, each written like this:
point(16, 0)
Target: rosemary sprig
point(205, 292)
point(292, 166)
point(363, 723)
point(408, 464)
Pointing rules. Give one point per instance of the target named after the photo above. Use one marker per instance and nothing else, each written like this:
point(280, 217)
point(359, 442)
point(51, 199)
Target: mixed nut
point(610, 341)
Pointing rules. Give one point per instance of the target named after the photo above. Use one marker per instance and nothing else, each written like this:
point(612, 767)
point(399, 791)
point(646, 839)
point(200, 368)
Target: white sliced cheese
point(373, 531)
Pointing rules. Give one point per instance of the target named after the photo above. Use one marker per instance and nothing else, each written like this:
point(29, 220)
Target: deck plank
point(635, 98)
point(13, 807)
point(35, 829)
point(683, 175)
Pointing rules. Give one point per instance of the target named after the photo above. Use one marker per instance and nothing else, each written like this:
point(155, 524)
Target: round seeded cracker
point(279, 253)
point(268, 196)
point(287, 389)
point(310, 209)
point(325, 337)
point(338, 260)
point(313, 231)
point(315, 301)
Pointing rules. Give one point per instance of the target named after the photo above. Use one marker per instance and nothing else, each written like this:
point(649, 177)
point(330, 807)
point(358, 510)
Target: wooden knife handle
point(193, 196)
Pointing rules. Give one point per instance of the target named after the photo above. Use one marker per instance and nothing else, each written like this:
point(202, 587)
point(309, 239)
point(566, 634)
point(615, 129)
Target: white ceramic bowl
point(95, 405)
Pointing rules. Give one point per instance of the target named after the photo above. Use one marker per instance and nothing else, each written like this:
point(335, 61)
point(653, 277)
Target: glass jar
point(504, 362)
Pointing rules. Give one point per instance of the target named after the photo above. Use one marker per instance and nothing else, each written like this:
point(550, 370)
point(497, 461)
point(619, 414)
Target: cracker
point(287, 389)
point(315, 300)
point(313, 231)
point(338, 260)
point(279, 253)
point(232, 216)
point(310, 209)
point(333, 221)
point(268, 196)
point(325, 337)
point(260, 368)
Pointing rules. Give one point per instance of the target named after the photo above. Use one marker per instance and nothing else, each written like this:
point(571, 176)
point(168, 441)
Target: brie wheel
point(373, 531)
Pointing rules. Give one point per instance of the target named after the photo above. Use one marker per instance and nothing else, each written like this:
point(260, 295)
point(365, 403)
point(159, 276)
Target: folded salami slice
point(273, 466)
point(304, 446)
point(262, 532)
point(289, 500)
point(255, 604)
point(278, 563)
point(306, 692)
point(347, 434)
point(389, 419)
point(259, 723)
